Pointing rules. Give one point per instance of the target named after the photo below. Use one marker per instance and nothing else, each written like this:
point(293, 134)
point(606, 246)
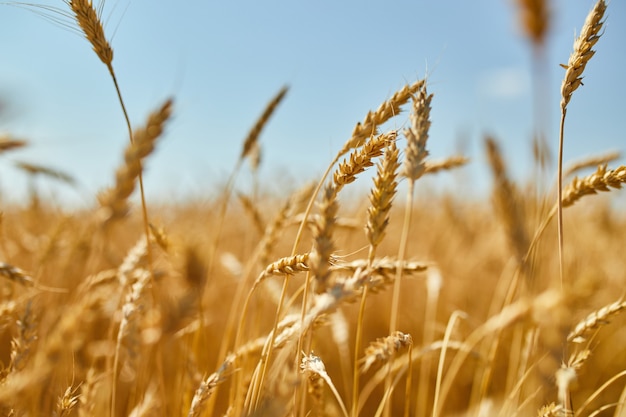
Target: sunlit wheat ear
point(361, 159)
point(289, 265)
point(417, 136)
point(381, 197)
point(602, 180)
point(582, 53)
point(595, 320)
point(91, 25)
point(251, 141)
point(314, 368)
point(67, 402)
point(208, 386)
point(115, 200)
point(384, 348)
point(369, 127)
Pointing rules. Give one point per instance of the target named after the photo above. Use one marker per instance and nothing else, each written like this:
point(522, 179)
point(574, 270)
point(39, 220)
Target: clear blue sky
point(222, 61)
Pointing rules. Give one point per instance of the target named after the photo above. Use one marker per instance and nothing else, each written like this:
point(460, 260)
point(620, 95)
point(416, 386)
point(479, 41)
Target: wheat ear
point(601, 180)
point(507, 203)
point(535, 19)
point(573, 79)
point(452, 162)
point(314, 367)
point(115, 200)
point(8, 143)
point(595, 320)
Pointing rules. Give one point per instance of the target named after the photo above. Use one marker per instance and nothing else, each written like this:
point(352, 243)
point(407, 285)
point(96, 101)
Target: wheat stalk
point(573, 79)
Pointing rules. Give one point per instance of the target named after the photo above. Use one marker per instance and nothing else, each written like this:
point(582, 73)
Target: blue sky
point(222, 61)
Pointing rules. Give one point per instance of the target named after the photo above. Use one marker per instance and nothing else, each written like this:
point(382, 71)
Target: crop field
point(318, 301)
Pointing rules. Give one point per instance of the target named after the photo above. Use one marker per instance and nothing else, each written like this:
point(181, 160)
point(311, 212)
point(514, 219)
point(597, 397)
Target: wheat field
point(317, 302)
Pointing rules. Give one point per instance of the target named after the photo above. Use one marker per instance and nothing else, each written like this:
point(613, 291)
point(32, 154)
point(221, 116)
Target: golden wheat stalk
point(573, 79)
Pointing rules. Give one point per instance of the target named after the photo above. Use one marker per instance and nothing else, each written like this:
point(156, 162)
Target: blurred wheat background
point(390, 284)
